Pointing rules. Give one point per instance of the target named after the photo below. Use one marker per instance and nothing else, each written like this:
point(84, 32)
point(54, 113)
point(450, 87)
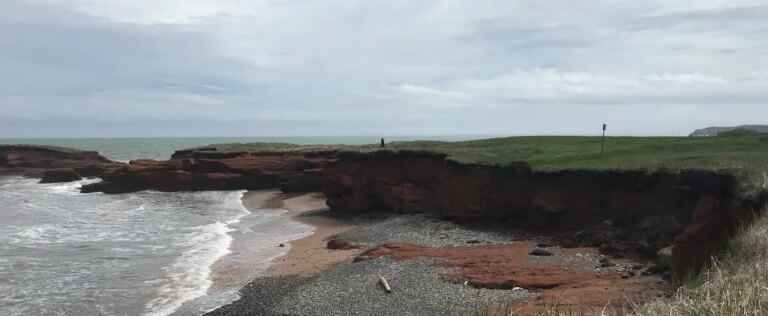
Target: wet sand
point(309, 255)
point(246, 261)
point(303, 253)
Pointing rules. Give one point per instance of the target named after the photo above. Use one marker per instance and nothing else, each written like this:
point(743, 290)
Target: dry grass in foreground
point(737, 284)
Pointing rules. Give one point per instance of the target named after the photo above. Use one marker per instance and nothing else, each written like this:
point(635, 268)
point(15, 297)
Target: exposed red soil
point(568, 279)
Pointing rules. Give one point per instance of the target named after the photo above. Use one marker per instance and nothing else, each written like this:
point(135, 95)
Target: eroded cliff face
point(622, 212)
point(196, 171)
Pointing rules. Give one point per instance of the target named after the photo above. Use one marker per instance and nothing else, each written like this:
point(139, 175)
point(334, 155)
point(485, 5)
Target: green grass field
point(568, 152)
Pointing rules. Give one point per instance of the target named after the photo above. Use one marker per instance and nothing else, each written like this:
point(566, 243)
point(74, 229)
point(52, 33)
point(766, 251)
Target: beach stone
point(540, 252)
point(605, 262)
point(338, 244)
point(664, 257)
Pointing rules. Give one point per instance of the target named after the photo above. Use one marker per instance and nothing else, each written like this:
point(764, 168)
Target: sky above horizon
point(109, 68)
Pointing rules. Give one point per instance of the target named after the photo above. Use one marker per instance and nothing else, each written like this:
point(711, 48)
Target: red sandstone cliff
point(624, 212)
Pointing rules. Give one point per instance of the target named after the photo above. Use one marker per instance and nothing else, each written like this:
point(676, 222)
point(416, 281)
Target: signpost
point(602, 141)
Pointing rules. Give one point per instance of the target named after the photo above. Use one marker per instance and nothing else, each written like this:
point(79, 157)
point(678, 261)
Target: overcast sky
point(379, 67)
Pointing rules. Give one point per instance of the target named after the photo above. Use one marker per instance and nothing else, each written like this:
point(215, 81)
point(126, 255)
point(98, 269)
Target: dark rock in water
point(34, 161)
point(92, 171)
point(540, 252)
point(60, 175)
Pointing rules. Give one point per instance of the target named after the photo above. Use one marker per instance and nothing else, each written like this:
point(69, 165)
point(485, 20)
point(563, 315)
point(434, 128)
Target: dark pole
point(602, 141)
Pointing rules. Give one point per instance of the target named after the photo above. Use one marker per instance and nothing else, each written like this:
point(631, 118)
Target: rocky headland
point(718, 130)
point(53, 164)
point(206, 170)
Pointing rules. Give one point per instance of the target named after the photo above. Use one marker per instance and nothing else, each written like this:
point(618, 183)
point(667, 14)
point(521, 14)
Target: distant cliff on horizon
point(715, 131)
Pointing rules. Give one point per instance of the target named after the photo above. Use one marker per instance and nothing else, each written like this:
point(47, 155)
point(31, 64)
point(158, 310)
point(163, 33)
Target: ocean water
point(147, 253)
point(124, 149)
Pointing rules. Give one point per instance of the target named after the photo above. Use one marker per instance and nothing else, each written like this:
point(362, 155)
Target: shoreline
point(297, 247)
point(435, 278)
point(309, 255)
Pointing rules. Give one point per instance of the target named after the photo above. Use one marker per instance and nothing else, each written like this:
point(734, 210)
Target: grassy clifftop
point(735, 285)
point(568, 152)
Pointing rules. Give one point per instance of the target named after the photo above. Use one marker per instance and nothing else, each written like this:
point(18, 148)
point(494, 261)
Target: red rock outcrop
point(568, 279)
point(34, 161)
point(627, 212)
point(211, 171)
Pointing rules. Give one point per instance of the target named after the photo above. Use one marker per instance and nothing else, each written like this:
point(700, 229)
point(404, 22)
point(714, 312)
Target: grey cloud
point(66, 53)
point(377, 67)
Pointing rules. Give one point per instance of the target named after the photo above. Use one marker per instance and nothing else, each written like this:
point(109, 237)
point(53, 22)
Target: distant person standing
point(382, 143)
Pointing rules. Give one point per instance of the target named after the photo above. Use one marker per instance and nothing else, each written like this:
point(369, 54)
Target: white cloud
point(430, 92)
point(393, 66)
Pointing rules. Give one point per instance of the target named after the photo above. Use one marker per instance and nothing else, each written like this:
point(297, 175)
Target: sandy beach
point(305, 255)
point(309, 255)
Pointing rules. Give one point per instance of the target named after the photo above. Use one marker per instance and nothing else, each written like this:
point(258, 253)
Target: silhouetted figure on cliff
point(382, 143)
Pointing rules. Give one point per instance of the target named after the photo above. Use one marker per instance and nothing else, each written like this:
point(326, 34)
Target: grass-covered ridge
point(576, 152)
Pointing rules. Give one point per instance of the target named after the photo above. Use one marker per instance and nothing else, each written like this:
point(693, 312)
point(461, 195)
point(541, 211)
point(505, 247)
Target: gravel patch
point(353, 289)
point(422, 230)
point(418, 285)
point(260, 296)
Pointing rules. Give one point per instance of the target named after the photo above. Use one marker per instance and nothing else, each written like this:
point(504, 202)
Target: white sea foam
point(35, 234)
point(189, 277)
point(69, 188)
point(62, 234)
point(190, 274)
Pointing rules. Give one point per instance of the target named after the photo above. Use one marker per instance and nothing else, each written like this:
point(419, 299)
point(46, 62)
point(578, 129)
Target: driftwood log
point(385, 284)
